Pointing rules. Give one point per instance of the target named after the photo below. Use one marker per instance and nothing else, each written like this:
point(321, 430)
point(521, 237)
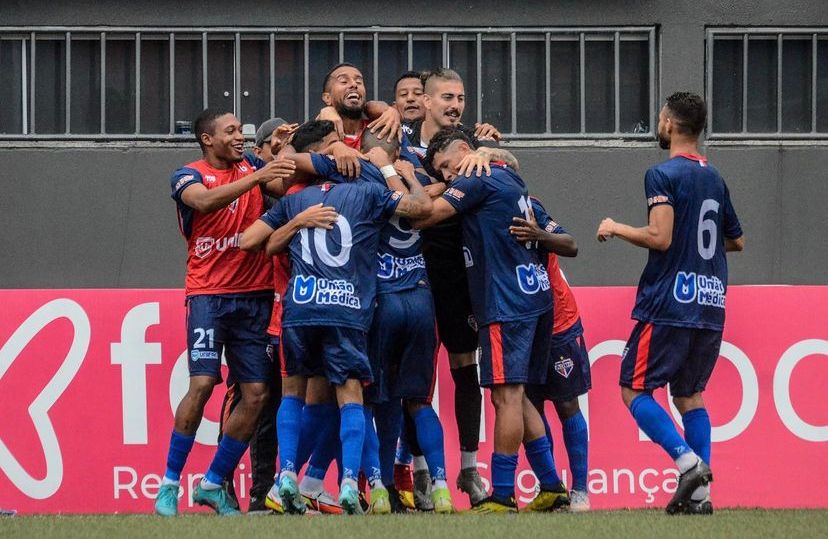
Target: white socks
point(420, 463)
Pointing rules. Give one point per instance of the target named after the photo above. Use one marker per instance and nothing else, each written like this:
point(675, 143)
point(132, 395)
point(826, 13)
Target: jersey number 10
point(320, 244)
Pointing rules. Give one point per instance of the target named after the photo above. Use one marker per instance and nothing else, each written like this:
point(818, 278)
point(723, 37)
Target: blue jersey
point(400, 255)
point(686, 284)
point(333, 272)
point(508, 279)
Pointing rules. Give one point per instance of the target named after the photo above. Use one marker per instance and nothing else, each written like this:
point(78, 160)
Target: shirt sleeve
point(407, 153)
point(385, 201)
point(254, 161)
point(544, 220)
point(732, 227)
point(325, 167)
point(464, 193)
point(276, 216)
point(657, 188)
point(181, 179)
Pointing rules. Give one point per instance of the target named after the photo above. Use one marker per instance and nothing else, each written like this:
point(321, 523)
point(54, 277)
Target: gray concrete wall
point(99, 215)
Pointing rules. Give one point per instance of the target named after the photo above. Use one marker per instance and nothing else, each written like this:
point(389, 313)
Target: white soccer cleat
point(578, 501)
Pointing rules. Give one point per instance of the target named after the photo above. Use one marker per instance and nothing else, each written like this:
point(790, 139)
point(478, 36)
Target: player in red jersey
point(229, 294)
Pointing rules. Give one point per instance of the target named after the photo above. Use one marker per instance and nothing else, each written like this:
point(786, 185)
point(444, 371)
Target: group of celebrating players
point(345, 250)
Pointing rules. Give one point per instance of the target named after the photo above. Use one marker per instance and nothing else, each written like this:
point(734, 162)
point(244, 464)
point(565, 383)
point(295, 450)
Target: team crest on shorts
point(270, 352)
point(564, 367)
point(194, 355)
point(472, 322)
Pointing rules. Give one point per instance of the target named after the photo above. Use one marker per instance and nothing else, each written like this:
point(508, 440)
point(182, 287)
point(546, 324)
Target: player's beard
point(350, 113)
point(663, 142)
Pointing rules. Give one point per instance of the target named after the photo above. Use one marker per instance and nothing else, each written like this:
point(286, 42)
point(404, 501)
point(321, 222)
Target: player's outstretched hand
point(388, 125)
point(278, 169)
point(475, 162)
point(347, 160)
point(280, 136)
point(330, 114)
point(318, 216)
point(486, 132)
point(606, 229)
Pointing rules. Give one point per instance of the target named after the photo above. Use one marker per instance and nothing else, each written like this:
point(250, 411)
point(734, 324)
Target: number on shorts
point(200, 334)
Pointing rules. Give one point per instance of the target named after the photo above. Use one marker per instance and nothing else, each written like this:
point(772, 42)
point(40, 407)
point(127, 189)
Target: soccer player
point(229, 294)
point(569, 374)
point(680, 304)
point(513, 307)
point(328, 309)
point(408, 96)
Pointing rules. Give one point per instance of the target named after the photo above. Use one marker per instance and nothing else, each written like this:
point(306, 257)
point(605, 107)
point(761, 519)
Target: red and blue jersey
point(401, 265)
point(333, 272)
point(215, 264)
point(685, 285)
point(508, 279)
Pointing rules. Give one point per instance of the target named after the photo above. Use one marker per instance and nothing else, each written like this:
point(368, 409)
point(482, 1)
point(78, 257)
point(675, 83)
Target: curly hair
point(439, 142)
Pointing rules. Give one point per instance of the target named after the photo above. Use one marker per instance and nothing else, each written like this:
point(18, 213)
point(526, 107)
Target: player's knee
point(461, 359)
point(200, 389)
point(294, 386)
point(567, 409)
point(508, 395)
point(628, 395)
point(255, 395)
point(685, 404)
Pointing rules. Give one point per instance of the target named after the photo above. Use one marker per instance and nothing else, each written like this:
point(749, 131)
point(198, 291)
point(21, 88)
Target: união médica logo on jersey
point(393, 267)
point(307, 289)
point(532, 278)
point(702, 289)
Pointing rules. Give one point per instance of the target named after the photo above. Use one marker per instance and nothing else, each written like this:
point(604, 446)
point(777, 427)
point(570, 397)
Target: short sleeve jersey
point(215, 264)
point(508, 279)
point(566, 309)
point(281, 277)
point(400, 255)
point(686, 285)
point(333, 272)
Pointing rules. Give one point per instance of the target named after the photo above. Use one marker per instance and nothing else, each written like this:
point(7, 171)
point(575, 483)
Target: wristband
point(388, 171)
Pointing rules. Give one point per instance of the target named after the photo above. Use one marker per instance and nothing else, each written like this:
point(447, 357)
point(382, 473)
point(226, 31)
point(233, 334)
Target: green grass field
point(643, 523)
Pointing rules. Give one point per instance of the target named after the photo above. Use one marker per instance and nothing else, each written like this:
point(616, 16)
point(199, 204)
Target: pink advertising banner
point(91, 379)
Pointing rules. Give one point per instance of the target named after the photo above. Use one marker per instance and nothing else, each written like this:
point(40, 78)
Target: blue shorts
point(235, 324)
point(657, 355)
point(338, 353)
point(569, 375)
point(516, 352)
point(403, 347)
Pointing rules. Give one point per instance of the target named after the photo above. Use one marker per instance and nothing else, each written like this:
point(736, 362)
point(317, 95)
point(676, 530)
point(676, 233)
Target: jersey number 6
point(707, 250)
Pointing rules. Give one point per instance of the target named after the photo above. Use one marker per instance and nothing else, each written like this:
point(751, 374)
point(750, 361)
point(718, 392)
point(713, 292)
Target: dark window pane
point(428, 55)
point(496, 85)
point(796, 85)
point(531, 87)
point(361, 54)
point(50, 91)
point(255, 81)
point(393, 61)
point(86, 86)
point(189, 98)
point(290, 80)
point(11, 62)
point(727, 85)
point(220, 74)
point(635, 87)
point(324, 54)
point(600, 87)
point(155, 86)
point(762, 61)
point(120, 86)
point(822, 86)
point(564, 64)
point(463, 59)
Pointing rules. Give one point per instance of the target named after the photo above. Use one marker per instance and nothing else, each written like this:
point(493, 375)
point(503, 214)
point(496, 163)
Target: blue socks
point(327, 445)
point(289, 426)
point(655, 422)
point(227, 457)
point(388, 417)
point(697, 432)
point(313, 417)
point(576, 439)
point(180, 447)
point(430, 438)
point(503, 475)
point(352, 435)
point(370, 450)
point(539, 455)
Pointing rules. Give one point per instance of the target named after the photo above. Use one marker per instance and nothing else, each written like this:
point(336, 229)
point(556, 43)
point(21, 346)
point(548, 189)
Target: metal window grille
point(110, 83)
point(767, 83)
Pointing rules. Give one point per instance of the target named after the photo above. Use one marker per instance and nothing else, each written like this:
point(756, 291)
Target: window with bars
point(767, 83)
point(112, 83)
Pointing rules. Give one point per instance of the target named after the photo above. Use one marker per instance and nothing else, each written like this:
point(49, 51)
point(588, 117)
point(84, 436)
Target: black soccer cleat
point(700, 507)
point(697, 476)
point(396, 502)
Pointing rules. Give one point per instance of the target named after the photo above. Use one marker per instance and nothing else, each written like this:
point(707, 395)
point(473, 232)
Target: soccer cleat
point(422, 491)
point(349, 499)
point(441, 499)
point(322, 502)
point(548, 501)
point(273, 501)
point(166, 503)
point(688, 482)
point(578, 501)
point(291, 499)
point(217, 499)
point(230, 490)
point(380, 502)
point(469, 481)
point(257, 506)
point(395, 498)
point(494, 505)
point(700, 507)
point(404, 484)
